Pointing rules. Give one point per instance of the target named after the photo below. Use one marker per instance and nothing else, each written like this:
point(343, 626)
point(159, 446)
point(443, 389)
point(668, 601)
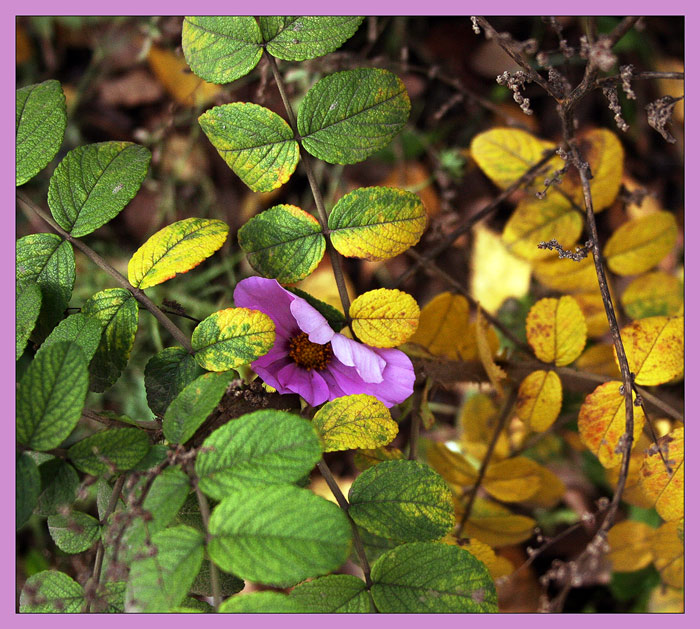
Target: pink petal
point(307, 383)
point(353, 354)
point(267, 296)
point(311, 321)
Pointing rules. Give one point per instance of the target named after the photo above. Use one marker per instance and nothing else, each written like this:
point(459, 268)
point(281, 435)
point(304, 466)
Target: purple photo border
point(359, 7)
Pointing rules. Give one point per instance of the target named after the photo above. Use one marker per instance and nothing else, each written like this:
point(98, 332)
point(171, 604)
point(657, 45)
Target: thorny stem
point(315, 189)
point(213, 570)
point(343, 503)
point(99, 555)
point(502, 419)
point(138, 294)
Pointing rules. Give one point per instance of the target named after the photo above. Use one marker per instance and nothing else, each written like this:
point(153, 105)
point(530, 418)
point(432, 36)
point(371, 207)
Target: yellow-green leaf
point(541, 220)
point(669, 556)
point(506, 154)
point(174, 249)
point(630, 545)
point(665, 485)
point(601, 422)
point(443, 325)
point(556, 330)
point(539, 399)
point(512, 480)
point(354, 421)
point(653, 294)
point(231, 338)
point(566, 275)
point(654, 348)
point(377, 223)
point(640, 244)
point(384, 317)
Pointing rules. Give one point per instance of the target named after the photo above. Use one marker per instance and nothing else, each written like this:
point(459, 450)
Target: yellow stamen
point(307, 354)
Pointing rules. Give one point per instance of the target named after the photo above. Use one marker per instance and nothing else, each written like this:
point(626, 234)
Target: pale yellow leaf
point(556, 330)
point(452, 466)
point(566, 275)
point(494, 524)
point(512, 480)
point(539, 399)
point(443, 326)
point(478, 419)
point(384, 318)
point(663, 479)
point(630, 545)
point(668, 551)
point(599, 358)
point(653, 294)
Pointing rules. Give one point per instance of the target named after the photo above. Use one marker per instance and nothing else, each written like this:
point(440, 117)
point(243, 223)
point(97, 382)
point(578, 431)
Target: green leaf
point(160, 583)
point(59, 487)
point(117, 311)
point(154, 457)
point(40, 124)
point(402, 500)
point(27, 310)
point(51, 591)
point(278, 534)
point(256, 143)
point(228, 583)
point(334, 594)
point(193, 405)
point(78, 328)
point(301, 38)
point(377, 223)
point(221, 49)
point(284, 243)
point(349, 115)
point(75, 532)
point(111, 598)
point(93, 183)
point(48, 261)
point(166, 374)
point(231, 338)
point(50, 396)
point(354, 421)
point(165, 497)
point(27, 488)
point(110, 451)
point(266, 446)
point(432, 578)
point(174, 249)
point(267, 602)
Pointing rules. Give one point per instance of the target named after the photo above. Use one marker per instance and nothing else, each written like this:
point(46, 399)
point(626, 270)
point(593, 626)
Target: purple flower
point(311, 359)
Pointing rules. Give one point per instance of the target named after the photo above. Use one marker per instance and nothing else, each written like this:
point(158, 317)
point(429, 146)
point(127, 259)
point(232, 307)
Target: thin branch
point(611, 81)
point(138, 294)
point(213, 570)
point(416, 403)
point(502, 419)
point(622, 28)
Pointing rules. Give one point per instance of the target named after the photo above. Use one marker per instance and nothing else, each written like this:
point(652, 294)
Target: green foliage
point(59, 487)
point(261, 603)
point(334, 594)
point(110, 451)
point(431, 578)
point(75, 532)
point(40, 123)
point(93, 183)
point(27, 310)
point(51, 591)
point(298, 535)
point(82, 330)
point(262, 447)
point(27, 488)
point(50, 396)
point(193, 405)
point(166, 374)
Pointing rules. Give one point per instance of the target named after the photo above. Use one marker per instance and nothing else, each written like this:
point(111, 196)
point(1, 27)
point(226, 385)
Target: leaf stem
point(138, 294)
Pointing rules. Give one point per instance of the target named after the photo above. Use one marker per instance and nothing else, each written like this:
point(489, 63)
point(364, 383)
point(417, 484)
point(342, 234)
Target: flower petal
point(267, 296)
point(353, 354)
point(399, 377)
point(311, 321)
point(307, 383)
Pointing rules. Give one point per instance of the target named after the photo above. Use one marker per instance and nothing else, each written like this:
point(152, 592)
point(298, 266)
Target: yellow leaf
point(497, 566)
point(413, 176)
point(364, 459)
point(443, 325)
point(648, 203)
point(506, 154)
point(384, 318)
point(354, 421)
point(556, 330)
point(540, 220)
point(664, 486)
point(566, 275)
point(512, 480)
point(599, 358)
point(551, 490)
point(539, 400)
point(469, 350)
point(630, 545)
point(175, 76)
point(496, 273)
point(593, 310)
point(633, 492)
point(601, 422)
point(494, 372)
point(640, 244)
point(653, 294)
point(672, 87)
point(654, 348)
point(603, 151)
point(666, 600)
point(478, 419)
point(494, 524)
point(452, 466)
point(667, 548)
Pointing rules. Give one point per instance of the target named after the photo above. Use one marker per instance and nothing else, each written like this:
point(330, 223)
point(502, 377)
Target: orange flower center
point(307, 354)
